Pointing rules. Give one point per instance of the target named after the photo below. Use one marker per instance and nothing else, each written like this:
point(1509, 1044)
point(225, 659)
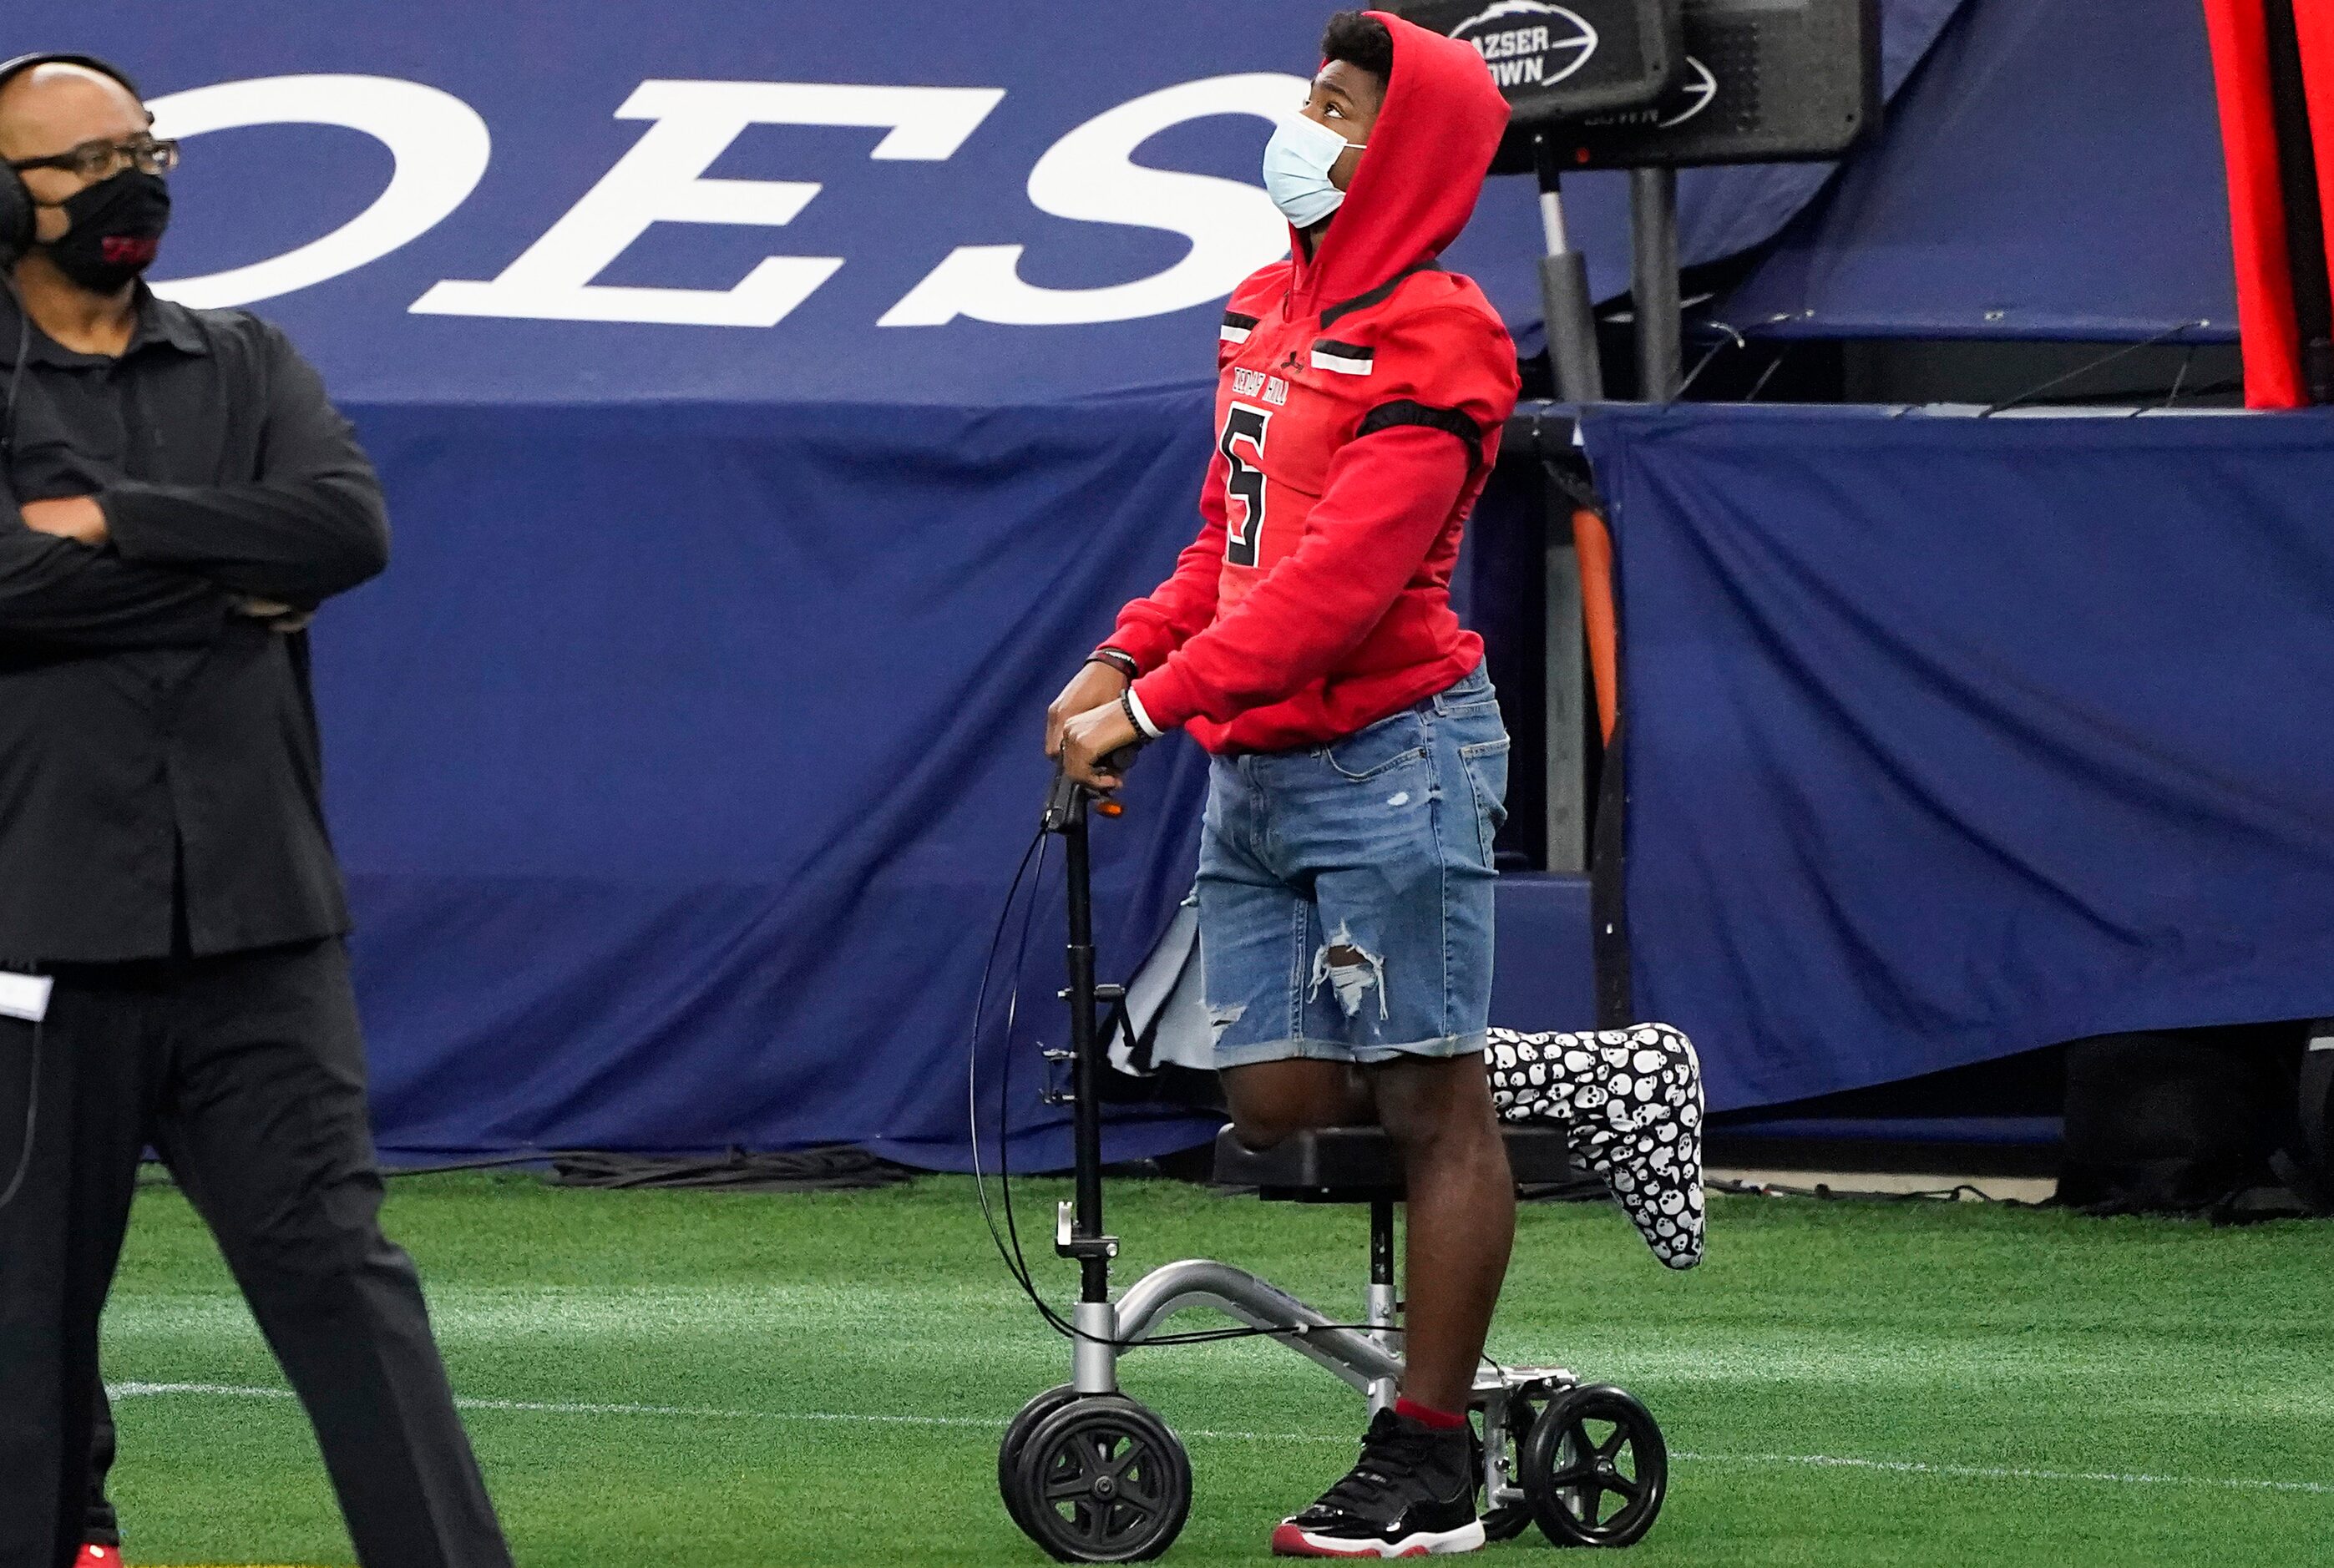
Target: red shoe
point(94, 1556)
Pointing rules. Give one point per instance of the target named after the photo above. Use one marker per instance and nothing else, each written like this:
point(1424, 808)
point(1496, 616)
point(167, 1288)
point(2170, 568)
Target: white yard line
point(2012, 1473)
point(692, 1412)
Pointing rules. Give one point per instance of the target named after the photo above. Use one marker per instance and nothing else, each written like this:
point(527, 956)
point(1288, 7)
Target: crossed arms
point(124, 565)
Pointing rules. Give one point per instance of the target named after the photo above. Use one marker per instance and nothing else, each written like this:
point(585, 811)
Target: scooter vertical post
point(1085, 1107)
point(1077, 1230)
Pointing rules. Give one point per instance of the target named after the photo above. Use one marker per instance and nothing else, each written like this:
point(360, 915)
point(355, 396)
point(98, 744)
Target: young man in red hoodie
point(1306, 641)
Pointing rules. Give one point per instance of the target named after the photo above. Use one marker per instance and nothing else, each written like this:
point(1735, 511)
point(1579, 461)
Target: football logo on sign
point(1700, 91)
point(1683, 103)
point(1529, 43)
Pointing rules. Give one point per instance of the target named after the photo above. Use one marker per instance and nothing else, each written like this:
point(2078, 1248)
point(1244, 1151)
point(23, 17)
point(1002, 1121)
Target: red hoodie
point(1359, 413)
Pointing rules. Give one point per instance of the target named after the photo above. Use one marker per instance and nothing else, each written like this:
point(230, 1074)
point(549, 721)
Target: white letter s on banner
point(1091, 175)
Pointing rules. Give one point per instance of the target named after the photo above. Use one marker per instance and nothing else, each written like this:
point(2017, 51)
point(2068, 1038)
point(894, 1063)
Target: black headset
point(16, 216)
point(16, 202)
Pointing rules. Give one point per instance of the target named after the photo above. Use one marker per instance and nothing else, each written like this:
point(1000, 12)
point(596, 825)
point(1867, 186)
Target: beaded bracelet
point(1126, 706)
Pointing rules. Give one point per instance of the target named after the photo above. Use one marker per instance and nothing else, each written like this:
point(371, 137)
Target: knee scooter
point(1092, 1476)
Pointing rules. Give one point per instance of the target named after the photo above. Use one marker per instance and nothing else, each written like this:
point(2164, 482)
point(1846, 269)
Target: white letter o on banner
point(440, 144)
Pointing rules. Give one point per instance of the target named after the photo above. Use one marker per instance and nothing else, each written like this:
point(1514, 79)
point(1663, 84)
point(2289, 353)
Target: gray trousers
point(246, 1072)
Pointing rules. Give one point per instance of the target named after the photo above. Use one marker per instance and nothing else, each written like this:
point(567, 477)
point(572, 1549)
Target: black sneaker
point(1412, 1495)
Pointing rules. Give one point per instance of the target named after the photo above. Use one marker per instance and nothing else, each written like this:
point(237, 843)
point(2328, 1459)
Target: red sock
point(1440, 1421)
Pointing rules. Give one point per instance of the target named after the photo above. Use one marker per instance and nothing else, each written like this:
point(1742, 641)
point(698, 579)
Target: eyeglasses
point(101, 160)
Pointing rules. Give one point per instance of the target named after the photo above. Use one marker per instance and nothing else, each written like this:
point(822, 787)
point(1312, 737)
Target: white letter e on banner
point(662, 180)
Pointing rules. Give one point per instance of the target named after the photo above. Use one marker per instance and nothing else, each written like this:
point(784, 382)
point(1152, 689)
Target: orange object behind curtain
point(1593, 541)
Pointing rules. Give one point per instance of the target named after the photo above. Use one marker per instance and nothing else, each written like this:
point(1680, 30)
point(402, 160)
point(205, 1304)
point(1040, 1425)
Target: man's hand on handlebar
point(1089, 739)
point(1093, 686)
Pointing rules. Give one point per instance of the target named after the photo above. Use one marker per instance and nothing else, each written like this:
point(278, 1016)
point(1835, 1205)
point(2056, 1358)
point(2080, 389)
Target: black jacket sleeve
point(313, 525)
point(58, 593)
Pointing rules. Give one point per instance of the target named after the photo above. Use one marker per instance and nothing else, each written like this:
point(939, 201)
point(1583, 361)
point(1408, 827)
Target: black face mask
point(116, 227)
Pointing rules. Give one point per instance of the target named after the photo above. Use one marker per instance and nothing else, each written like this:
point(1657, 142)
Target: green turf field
point(715, 1380)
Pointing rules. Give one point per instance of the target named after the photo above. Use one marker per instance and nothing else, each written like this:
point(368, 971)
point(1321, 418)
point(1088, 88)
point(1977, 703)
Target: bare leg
point(1271, 1100)
point(1461, 1198)
point(1462, 1218)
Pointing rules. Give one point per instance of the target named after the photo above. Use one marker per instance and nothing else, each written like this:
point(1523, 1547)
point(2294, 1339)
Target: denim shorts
point(1379, 843)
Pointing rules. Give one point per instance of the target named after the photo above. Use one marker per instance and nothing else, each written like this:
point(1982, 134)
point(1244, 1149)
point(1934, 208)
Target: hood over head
point(1419, 177)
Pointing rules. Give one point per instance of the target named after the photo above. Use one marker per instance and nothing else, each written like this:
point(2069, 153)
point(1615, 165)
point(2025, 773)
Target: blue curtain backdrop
point(1952, 737)
point(682, 759)
point(681, 799)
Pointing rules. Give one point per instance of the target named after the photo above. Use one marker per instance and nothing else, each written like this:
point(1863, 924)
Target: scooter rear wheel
point(1102, 1480)
point(1016, 1437)
point(1592, 1449)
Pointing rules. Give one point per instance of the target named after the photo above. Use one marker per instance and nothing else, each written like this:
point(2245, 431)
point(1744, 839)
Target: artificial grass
point(2080, 1391)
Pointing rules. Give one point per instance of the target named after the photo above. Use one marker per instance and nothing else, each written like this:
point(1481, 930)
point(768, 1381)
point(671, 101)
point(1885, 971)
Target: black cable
point(1020, 1263)
point(1768, 374)
point(451, 1167)
point(1732, 339)
point(1010, 1248)
point(16, 371)
point(972, 1061)
point(2126, 397)
point(1961, 1192)
point(496, 1162)
point(1009, 1242)
point(2179, 379)
point(2088, 366)
point(1568, 483)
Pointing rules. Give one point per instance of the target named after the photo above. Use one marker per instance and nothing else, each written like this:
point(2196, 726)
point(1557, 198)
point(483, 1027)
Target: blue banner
point(920, 203)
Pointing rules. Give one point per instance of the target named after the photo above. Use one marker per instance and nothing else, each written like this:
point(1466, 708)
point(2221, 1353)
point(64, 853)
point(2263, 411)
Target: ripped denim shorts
point(1345, 889)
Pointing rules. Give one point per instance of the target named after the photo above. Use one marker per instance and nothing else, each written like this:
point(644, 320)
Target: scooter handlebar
point(1066, 799)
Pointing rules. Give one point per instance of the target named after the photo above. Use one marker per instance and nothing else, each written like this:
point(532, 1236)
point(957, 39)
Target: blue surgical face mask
point(1297, 164)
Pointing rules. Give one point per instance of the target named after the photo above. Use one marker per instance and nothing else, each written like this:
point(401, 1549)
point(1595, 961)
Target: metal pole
point(1660, 330)
point(1565, 304)
point(1385, 1312)
point(1565, 708)
point(1579, 375)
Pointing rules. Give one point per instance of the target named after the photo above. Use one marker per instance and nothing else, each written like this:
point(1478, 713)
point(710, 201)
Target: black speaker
point(2175, 1121)
point(1562, 61)
point(1765, 82)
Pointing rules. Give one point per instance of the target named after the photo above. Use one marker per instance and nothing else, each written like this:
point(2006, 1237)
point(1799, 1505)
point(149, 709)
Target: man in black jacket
point(179, 497)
